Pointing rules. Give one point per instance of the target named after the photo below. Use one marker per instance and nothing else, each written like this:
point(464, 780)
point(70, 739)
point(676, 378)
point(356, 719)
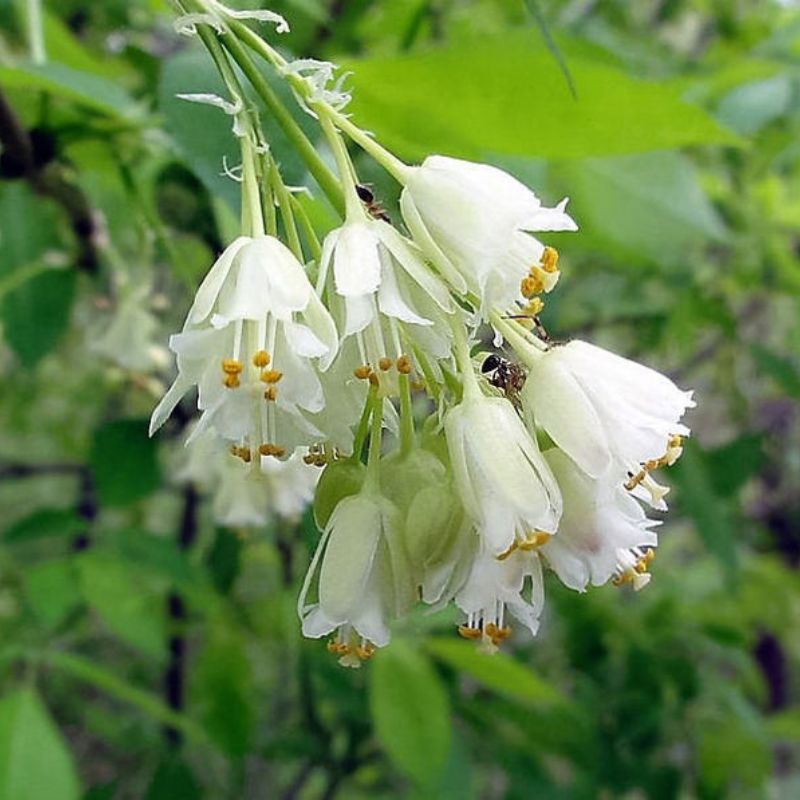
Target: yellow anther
point(675, 441)
point(635, 480)
point(649, 555)
point(373, 379)
point(365, 651)
point(338, 648)
point(261, 359)
point(621, 580)
point(497, 635)
point(534, 307)
point(278, 451)
point(231, 381)
point(530, 285)
point(271, 393)
point(469, 633)
point(506, 553)
point(309, 459)
point(404, 365)
point(549, 259)
point(385, 364)
point(230, 366)
point(270, 376)
point(418, 386)
point(241, 452)
point(534, 540)
point(363, 372)
point(268, 449)
point(320, 460)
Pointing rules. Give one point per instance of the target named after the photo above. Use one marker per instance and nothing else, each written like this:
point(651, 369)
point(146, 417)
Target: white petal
point(551, 219)
point(359, 312)
point(356, 266)
point(304, 341)
point(391, 302)
point(210, 287)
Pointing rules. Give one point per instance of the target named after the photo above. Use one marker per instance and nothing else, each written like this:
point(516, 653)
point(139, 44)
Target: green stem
point(309, 233)
point(528, 348)
point(463, 358)
point(353, 208)
point(305, 149)
point(393, 165)
point(372, 483)
point(363, 424)
point(406, 416)
point(287, 214)
point(84, 670)
point(36, 32)
point(252, 215)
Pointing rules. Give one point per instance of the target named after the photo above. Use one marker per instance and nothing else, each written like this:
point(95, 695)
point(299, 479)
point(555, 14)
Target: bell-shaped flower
point(473, 221)
point(252, 343)
point(240, 498)
point(361, 576)
point(380, 289)
point(599, 529)
point(610, 415)
point(289, 484)
point(496, 586)
point(505, 485)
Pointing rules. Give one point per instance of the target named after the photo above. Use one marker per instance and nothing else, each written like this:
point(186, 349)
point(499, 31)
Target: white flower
point(240, 494)
point(496, 585)
point(128, 339)
point(601, 525)
point(290, 484)
point(607, 413)
point(362, 577)
point(502, 479)
point(376, 273)
point(471, 221)
point(248, 344)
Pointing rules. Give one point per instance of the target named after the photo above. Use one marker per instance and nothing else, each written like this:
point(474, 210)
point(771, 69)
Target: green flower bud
point(339, 479)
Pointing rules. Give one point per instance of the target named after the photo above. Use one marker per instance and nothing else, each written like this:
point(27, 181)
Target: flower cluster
point(448, 474)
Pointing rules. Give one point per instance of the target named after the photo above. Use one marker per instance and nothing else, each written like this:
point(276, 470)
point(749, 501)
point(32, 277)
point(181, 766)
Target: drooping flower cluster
point(307, 351)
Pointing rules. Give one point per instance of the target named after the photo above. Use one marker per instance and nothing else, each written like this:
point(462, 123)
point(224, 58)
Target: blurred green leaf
point(42, 524)
point(647, 205)
point(749, 108)
point(710, 513)
point(224, 559)
point(35, 763)
point(410, 711)
point(173, 780)
point(123, 462)
point(132, 610)
point(35, 315)
point(222, 682)
point(779, 368)
point(53, 591)
point(506, 96)
point(785, 725)
point(498, 672)
point(28, 227)
point(90, 90)
point(731, 465)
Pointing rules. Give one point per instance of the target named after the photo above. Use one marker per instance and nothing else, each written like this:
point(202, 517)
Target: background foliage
point(146, 653)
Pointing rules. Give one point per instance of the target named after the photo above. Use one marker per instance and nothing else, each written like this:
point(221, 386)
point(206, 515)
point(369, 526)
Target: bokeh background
point(146, 652)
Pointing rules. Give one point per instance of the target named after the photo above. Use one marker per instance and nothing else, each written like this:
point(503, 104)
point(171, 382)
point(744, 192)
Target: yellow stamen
point(549, 259)
point(363, 372)
point(530, 286)
point(271, 393)
point(271, 376)
point(404, 365)
point(241, 452)
point(231, 381)
point(385, 364)
point(469, 633)
point(261, 359)
point(230, 366)
point(497, 635)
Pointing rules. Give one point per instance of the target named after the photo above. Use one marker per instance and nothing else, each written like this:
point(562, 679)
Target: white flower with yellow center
point(601, 528)
point(362, 577)
point(612, 416)
point(474, 222)
point(250, 343)
point(503, 481)
point(496, 586)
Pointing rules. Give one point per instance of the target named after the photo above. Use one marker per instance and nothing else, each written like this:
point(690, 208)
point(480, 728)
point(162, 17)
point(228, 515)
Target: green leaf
point(222, 685)
point(34, 760)
point(224, 560)
point(131, 609)
point(411, 711)
point(503, 95)
point(779, 368)
point(710, 513)
point(648, 205)
point(785, 725)
point(173, 780)
point(52, 590)
point(731, 465)
point(35, 315)
point(749, 108)
point(85, 88)
point(123, 462)
point(42, 524)
point(497, 672)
